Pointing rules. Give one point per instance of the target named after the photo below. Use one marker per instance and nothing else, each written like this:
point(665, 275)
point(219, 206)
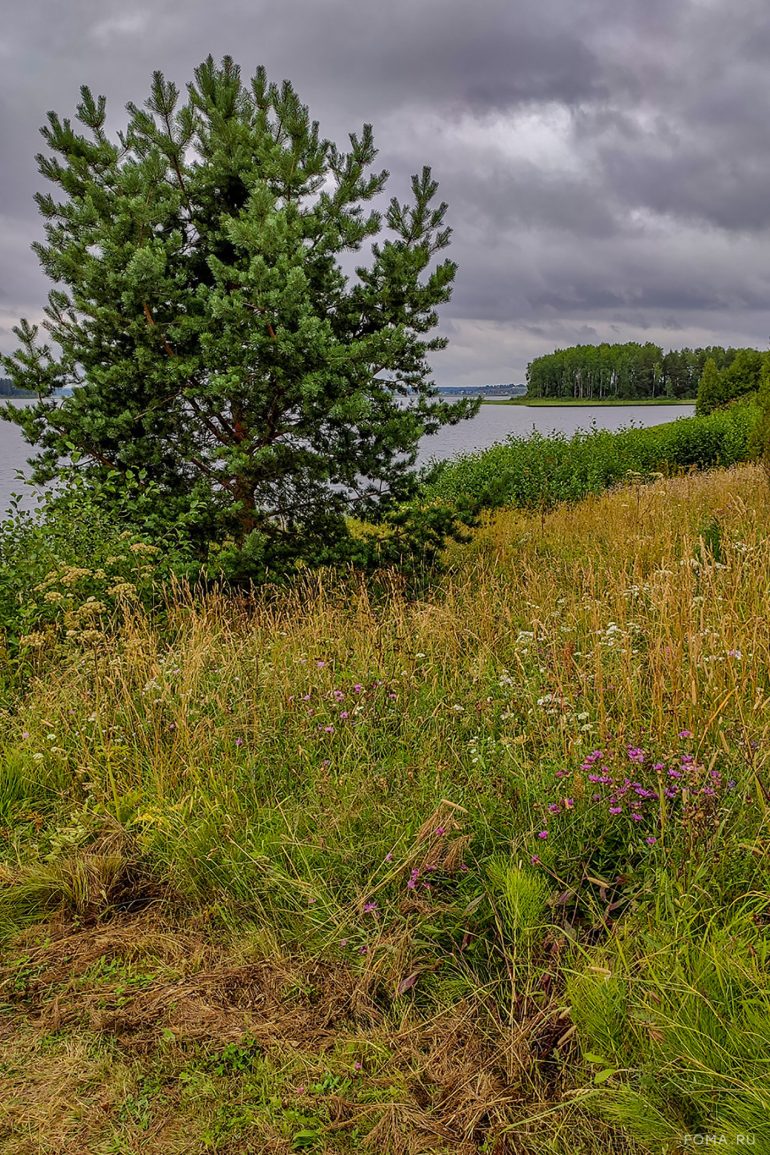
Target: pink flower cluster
point(630, 787)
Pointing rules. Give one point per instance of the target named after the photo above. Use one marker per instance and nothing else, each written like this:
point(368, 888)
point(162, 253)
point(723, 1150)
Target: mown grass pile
point(537, 471)
point(335, 870)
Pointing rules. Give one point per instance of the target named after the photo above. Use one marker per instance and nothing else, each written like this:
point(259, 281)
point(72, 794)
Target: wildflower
point(735, 654)
point(536, 860)
point(328, 729)
point(569, 803)
point(389, 857)
point(363, 950)
point(675, 774)
point(344, 714)
point(369, 907)
point(616, 809)
point(542, 833)
point(358, 688)
point(358, 1066)
point(343, 942)
point(685, 734)
point(25, 734)
point(554, 808)
point(440, 830)
point(239, 741)
point(320, 665)
point(651, 840)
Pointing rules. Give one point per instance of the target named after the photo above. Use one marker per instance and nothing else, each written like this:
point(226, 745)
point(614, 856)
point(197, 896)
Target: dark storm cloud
point(607, 165)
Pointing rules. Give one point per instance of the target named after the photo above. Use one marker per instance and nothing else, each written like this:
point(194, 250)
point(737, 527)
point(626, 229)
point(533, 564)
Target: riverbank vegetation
point(537, 471)
point(331, 868)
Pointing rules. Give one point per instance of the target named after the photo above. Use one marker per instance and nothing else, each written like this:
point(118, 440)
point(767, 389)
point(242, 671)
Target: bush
point(537, 472)
point(67, 566)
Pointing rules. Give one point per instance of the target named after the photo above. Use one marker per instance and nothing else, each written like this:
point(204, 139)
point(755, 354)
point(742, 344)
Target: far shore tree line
point(633, 371)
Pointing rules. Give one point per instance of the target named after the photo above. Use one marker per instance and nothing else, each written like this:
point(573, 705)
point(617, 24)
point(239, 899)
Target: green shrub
point(66, 566)
point(538, 471)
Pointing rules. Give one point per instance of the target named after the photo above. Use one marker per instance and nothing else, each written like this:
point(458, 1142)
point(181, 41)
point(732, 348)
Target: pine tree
point(232, 377)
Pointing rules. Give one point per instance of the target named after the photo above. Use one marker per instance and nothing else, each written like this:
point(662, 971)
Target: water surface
point(492, 423)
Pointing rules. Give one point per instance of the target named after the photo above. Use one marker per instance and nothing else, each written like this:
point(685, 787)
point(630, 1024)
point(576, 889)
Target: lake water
point(492, 423)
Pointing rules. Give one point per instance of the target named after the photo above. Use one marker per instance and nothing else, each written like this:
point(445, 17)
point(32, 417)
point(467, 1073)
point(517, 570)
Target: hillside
point(341, 870)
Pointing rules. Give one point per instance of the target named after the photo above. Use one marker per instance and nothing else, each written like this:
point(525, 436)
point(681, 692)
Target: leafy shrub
point(67, 566)
point(537, 472)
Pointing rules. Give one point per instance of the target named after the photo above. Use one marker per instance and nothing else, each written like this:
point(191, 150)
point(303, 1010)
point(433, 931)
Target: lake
point(492, 423)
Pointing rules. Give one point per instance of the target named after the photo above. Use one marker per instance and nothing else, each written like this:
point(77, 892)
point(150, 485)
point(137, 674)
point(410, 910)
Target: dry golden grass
point(167, 704)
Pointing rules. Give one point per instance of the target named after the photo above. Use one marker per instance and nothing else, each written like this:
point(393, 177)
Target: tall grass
point(368, 779)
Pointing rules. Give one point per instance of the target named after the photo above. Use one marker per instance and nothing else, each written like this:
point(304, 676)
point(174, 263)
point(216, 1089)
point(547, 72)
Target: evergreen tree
point(234, 379)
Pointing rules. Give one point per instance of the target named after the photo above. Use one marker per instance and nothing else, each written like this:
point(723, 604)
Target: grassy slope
point(208, 809)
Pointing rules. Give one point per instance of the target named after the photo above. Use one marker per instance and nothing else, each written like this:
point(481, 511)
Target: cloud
point(121, 25)
point(606, 164)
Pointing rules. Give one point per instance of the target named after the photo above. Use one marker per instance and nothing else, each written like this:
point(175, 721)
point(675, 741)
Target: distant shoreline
point(556, 402)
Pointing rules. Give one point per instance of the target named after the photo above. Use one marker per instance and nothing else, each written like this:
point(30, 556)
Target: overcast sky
point(606, 162)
